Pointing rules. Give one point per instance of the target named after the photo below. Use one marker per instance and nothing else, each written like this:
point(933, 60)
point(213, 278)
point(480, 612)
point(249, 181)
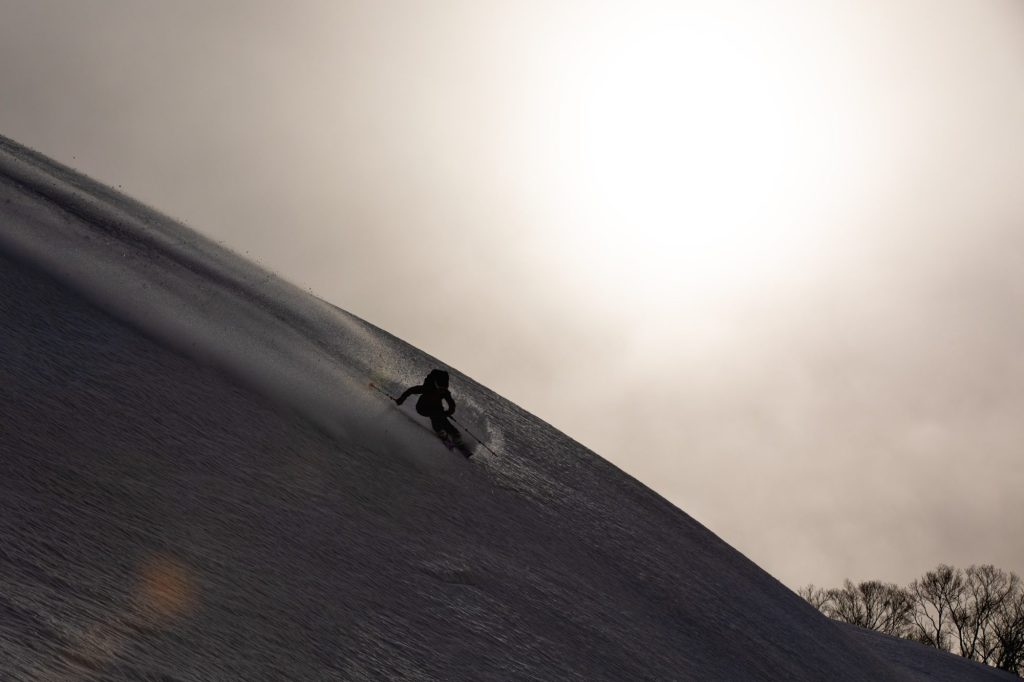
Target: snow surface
point(196, 483)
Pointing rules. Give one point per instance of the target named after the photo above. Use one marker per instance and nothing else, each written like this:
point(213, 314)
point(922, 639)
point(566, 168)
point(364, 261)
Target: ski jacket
point(432, 399)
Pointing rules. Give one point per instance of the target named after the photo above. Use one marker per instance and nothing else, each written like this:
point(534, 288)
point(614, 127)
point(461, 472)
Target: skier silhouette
point(433, 394)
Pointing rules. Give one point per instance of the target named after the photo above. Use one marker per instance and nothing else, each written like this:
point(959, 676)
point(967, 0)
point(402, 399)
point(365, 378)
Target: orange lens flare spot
point(165, 588)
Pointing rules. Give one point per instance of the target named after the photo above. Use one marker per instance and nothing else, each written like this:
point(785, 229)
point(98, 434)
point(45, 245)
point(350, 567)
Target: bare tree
point(934, 596)
point(872, 604)
point(986, 590)
point(815, 596)
point(895, 607)
point(1008, 630)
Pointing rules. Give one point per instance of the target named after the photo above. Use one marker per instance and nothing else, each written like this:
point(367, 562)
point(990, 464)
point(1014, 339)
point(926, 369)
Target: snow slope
point(196, 483)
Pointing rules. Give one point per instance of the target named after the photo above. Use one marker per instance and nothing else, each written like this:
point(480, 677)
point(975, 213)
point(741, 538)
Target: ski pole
point(381, 390)
point(476, 437)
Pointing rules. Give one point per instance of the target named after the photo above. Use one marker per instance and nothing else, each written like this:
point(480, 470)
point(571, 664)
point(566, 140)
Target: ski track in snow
point(197, 483)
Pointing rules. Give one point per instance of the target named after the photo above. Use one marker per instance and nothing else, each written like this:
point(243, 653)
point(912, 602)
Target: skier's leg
point(442, 425)
point(449, 434)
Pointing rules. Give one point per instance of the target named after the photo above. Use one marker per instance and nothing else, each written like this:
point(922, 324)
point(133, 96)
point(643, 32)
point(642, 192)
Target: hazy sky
point(766, 257)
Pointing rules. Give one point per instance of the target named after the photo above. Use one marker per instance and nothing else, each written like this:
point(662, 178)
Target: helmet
point(438, 377)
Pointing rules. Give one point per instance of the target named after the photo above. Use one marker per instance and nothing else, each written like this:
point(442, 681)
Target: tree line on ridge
point(977, 613)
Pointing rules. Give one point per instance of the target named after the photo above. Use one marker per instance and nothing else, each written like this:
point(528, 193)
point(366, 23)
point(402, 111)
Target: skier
point(433, 393)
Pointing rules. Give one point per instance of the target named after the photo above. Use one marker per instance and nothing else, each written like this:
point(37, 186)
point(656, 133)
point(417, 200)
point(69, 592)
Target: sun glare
point(687, 156)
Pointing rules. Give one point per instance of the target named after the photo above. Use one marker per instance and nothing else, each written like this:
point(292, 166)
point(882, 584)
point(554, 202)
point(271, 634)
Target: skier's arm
point(408, 392)
point(451, 403)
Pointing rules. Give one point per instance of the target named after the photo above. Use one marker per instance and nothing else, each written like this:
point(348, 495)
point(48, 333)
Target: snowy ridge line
point(196, 297)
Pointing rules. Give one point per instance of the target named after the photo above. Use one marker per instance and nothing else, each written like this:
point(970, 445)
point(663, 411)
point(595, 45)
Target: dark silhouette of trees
point(1009, 631)
point(977, 613)
point(816, 597)
point(933, 595)
point(873, 605)
point(986, 590)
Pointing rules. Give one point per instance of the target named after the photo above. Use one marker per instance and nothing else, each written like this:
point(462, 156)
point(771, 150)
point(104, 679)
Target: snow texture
point(197, 483)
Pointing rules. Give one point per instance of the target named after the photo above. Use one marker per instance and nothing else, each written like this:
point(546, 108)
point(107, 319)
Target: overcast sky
point(766, 257)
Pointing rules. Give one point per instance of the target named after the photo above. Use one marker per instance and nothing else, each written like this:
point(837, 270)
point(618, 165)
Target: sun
point(688, 160)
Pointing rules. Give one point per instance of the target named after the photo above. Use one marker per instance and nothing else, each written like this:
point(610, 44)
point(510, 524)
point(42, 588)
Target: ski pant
point(440, 423)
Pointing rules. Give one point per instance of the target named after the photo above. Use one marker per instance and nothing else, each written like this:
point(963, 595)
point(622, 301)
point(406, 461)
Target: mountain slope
point(197, 484)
